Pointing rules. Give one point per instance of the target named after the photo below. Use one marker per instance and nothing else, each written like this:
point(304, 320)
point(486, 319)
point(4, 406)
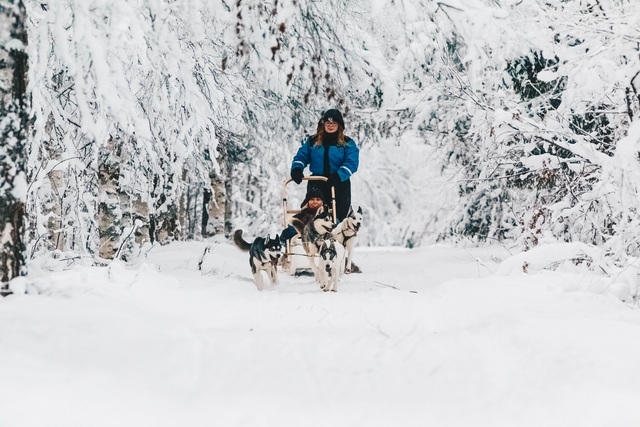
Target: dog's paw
point(354, 269)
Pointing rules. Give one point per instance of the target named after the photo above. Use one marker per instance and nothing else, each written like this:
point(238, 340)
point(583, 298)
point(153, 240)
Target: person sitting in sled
point(332, 154)
point(309, 206)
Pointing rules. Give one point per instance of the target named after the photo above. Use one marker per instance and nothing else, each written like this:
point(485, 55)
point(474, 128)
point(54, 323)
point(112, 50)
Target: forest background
point(480, 120)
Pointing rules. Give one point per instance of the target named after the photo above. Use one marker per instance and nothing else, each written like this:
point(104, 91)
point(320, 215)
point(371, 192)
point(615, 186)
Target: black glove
point(296, 175)
point(333, 180)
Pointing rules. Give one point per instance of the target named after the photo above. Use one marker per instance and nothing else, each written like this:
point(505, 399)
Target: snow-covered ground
point(424, 337)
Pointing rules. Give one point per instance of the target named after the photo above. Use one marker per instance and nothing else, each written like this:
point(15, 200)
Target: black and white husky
point(312, 235)
point(346, 233)
point(331, 262)
point(264, 254)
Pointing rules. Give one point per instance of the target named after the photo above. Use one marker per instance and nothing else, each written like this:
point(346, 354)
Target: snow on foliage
point(479, 120)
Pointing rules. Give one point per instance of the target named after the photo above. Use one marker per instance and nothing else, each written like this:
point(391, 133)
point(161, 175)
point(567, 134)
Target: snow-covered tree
point(489, 120)
point(543, 114)
point(123, 122)
point(13, 130)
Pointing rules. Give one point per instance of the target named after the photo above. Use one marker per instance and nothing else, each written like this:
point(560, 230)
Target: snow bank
point(423, 337)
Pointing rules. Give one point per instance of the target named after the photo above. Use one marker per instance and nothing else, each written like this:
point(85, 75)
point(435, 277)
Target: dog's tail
point(298, 225)
point(242, 244)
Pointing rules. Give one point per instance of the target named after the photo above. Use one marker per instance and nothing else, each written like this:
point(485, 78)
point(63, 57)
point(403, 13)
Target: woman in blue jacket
point(332, 154)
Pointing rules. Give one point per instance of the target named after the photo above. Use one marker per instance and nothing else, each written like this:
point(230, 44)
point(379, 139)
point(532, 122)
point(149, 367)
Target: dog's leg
point(315, 267)
point(327, 281)
point(322, 273)
point(349, 244)
point(309, 250)
point(332, 279)
point(323, 276)
point(259, 281)
point(343, 263)
point(273, 276)
point(324, 282)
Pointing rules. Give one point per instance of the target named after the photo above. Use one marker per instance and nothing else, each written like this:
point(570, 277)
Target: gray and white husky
point(312, 235)
point(331, 262)
point(264, 254)
point(346, 233)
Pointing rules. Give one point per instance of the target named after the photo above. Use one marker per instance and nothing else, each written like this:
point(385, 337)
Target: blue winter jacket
point(342, 159)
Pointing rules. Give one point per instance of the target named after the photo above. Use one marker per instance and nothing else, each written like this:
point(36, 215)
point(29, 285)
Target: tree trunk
point(228, 190)
point(216, 204)
point(14, 119)
point(206, 198)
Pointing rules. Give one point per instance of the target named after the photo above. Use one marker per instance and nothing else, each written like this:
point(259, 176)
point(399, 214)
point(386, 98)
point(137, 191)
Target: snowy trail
point(423, 337)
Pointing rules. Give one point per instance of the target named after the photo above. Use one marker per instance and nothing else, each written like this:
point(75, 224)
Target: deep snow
point(428, 336)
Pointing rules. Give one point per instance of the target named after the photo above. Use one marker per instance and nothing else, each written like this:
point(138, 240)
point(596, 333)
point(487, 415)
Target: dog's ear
point(277, 238)
point(360, 210)
point(350, 211)
point(267, 238)
point(320, 211)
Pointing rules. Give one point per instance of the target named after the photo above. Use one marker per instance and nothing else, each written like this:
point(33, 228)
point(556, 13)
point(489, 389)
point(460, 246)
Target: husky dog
point(264, 254)
point(346, 233)
point(313, 233)
point(331, 264)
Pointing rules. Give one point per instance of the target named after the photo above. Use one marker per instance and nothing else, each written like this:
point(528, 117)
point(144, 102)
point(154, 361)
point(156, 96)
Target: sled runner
point(295, 260)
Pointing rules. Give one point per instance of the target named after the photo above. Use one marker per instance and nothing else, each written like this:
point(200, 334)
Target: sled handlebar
point(309, 178)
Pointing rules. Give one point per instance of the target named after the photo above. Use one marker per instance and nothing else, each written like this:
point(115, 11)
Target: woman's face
point(330, 125)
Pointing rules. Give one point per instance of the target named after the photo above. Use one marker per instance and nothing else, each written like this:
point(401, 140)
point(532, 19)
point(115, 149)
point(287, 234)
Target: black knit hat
point(314, 192)
point(335, 115)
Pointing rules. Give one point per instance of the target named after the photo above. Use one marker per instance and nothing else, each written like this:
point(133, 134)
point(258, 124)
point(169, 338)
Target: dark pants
point(343, 196)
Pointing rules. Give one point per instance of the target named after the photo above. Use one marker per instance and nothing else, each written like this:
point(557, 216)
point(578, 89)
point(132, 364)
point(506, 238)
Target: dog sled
point(295, 260)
